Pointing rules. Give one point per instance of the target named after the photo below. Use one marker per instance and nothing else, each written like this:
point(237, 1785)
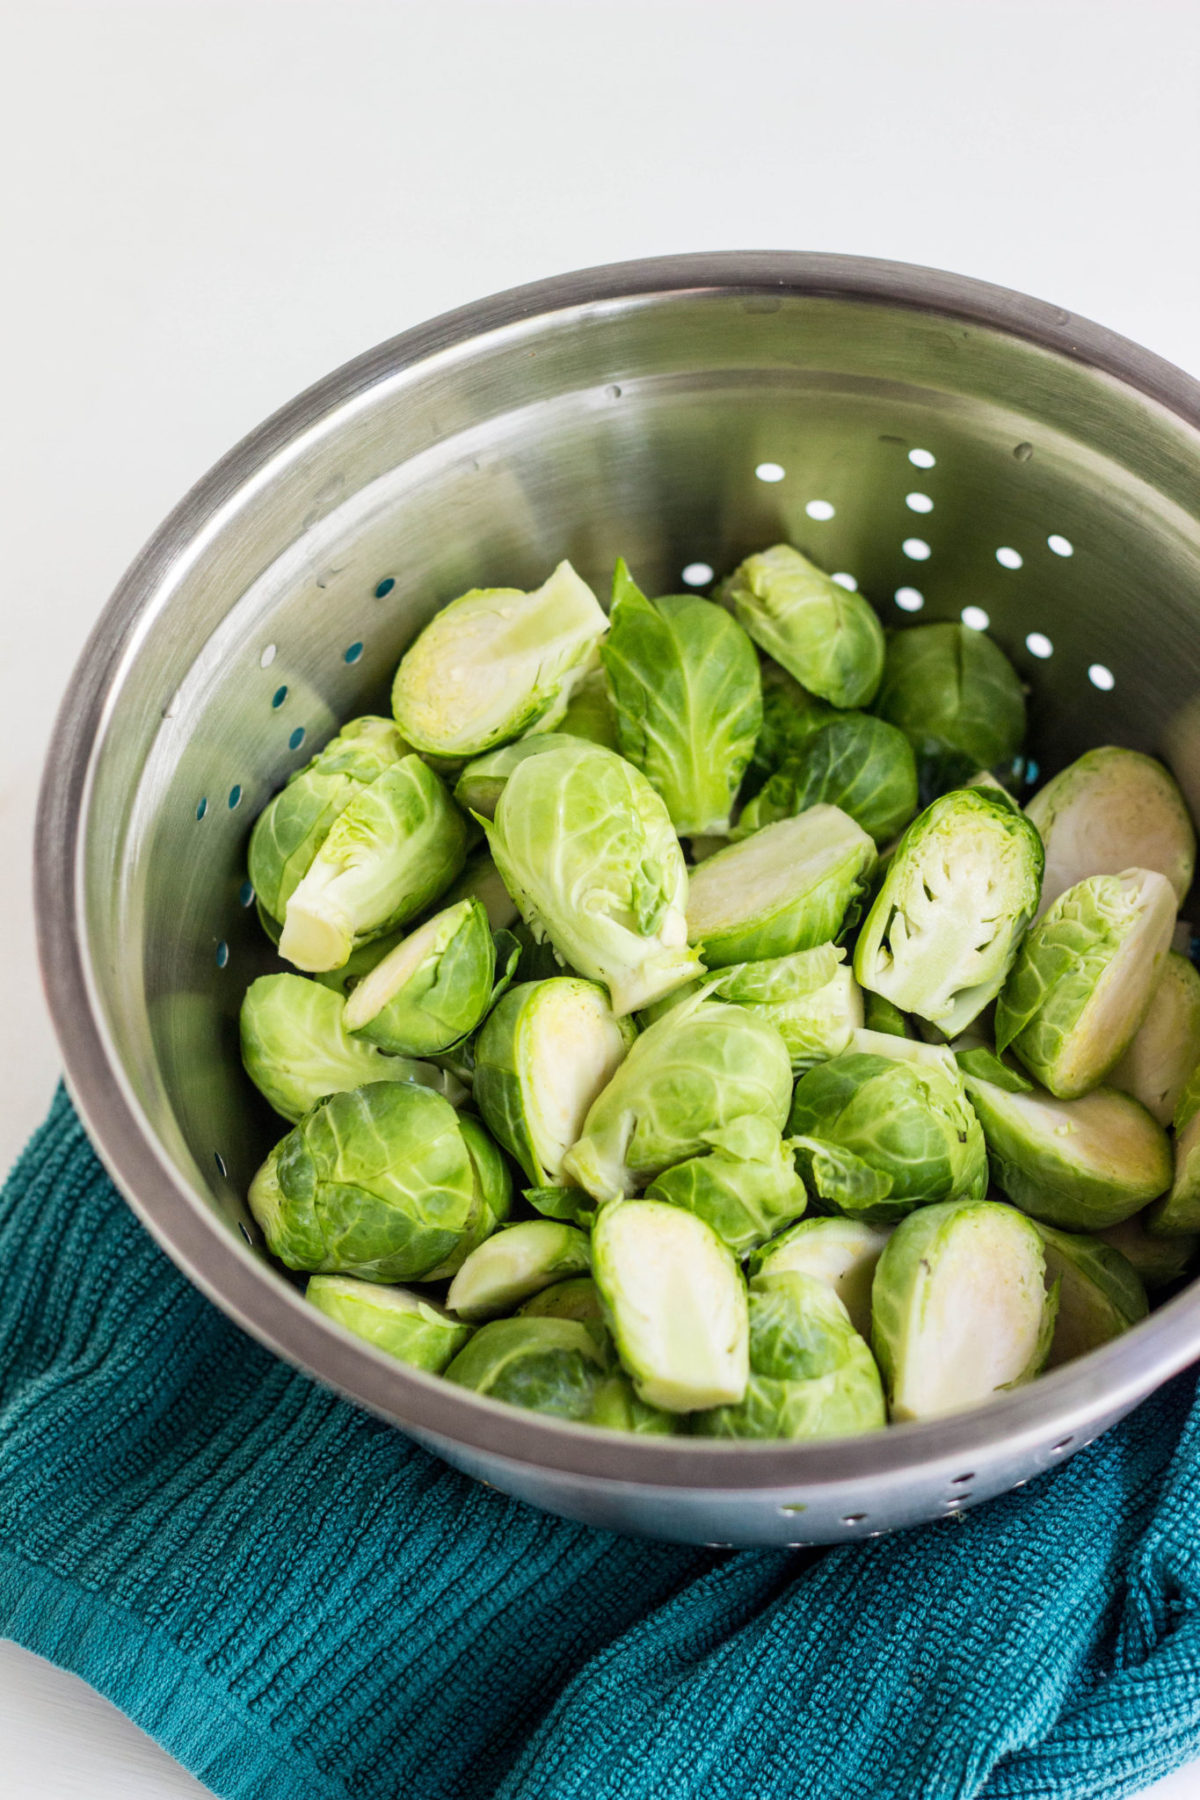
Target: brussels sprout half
point(827, 638)
point(843, 1253)
point(616, 1407)
point(812, 1000)
point(412, 1329)
point(1110, 810)
point(746, 1187)
point(860, 764)
point(945, 926)
point(1100, 1295)
point(515, 1263)
point(786, 888)
point(960, 1306)
point(1178, 1212)
point(481, 783)
point(1084, 977)
point(1156, 1066)
point(497, 663)
point(956, 697)
point(433, 988)
point(546, 1365)
point(1159, 1261)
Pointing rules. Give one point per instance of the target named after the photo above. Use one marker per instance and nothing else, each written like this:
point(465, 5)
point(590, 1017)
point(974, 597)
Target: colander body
point(941, 444)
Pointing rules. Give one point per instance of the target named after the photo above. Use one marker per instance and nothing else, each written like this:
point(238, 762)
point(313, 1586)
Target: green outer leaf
point(1177, 1214)
point(617, 1408)
point(545, 1365)
point(790, 717)
point(843, 1253)
point(745, 1199)
point(1100, 1294)
point(828, 639)
point(845, 1181)
point(881, 1016)
point(491, 1202)
point(569, 1204)
point(688, 700)
point(1156, 1067)
point(402, 1324)
point(956, 697)
point(858, 763)
point(423, 1008)
point(575, 1298)
point(984, 1064)
point(514, 1263)
point(1113, 809)
point(480, 880)
point(1188, 1103)
point(812, 1000)
point(590, 712)
point(1159, 1261)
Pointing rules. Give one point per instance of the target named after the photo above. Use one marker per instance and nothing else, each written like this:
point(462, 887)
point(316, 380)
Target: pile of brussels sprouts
point(833, 1085)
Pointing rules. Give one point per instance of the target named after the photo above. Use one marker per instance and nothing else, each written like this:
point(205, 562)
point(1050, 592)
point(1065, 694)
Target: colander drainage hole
point(352, 653)
point(854, 1518)
point(820, 509)
point(974, 618)
point(235, 795)
point(918, 503)
point(922, 459)
point(962, 1480)
point(245, 1233)
point(847, 581)
point(1062, 1444)
point(1102, 678)
point(1008, 558)
point(917, 549)
point(220, 1162)
point(278, 698)
point(697, 574)
point(909, 599)
point(769, 471)
point(1038, 644)
point(383, 588)
point(201, 809)
point(297, 738)
point(222, 954)
point(246, 894)
point(267, 657)
point(1060, 545)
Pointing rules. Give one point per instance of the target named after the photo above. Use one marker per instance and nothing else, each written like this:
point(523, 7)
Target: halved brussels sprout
point(546, 1365)
point(812, 1000)
point(391, 851)
point(293, 825)
point(296, 1048)
point(675, 1303)
point(1159, 1261)
point(907, 1121)
point(617, 1408)
point(590, 712)
point(746, 1187)
point(1078, 1164)
point(960, 1305)
point(701, 1068)
point(842, 1253)
point(378, 1182)
point(481, 880)
point(360, 962)
point(947, 922)
point(433, 988)
point(1178, 1212)
point(790, 717)
point(688, 700)
point(788, 887)
point(413, 1330)
point(497, 663)
point(1156, 1066)
point(860, 764)
point(1110, 810)
point(492, 1200)
point(547, 1052)
point(484, 779)
point(586, 848)
point(1100, 1295)
point(1084, 978)
point(956, 697)
point(827, 638)
point(513, 1264)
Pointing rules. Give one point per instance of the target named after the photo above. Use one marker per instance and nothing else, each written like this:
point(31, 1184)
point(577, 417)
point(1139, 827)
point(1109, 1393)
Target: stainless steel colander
point(951, 448)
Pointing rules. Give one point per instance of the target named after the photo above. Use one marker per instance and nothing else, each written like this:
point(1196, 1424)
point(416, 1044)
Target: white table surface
point(206, 206)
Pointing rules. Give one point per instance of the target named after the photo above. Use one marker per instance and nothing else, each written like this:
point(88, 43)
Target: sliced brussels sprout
point(811, 1374)
point(590, 712)
point(790, 717)
point(858, 763)
point(789, 887)
point(514, 1263)
point(1078, 1164)
point(879, 1015)
point(546, 1365)
point(826, 637)
point(957, 698)
point(391, 851)
point(544, 1056)
point(413, 1330)
point(378, 1182)
point(812, 1000)
point(1100, 1295)
point(1084, 977)
point(945, 926)
point(746, 1187)
point(961, 1309)
point(842, 1253)
point(480, 880)
point(1110, 810)
point(703, 1067)
point(292, 827)
point(484, 779)
point(675, 1303)
point(1159, 1261)
point(1166, 1049)
point(492, 1201)
point(296, 1049)
point(907, 1120)
point(617, 1408)
point(586, 848)
point(497, 663)
point(688, 700)
point(433, 988)
point(1178, 1212)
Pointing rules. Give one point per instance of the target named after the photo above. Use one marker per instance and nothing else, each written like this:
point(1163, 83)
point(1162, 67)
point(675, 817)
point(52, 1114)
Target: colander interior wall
point(950, 450)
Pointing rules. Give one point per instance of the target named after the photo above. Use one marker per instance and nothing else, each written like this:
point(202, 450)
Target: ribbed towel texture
point(301, 1605)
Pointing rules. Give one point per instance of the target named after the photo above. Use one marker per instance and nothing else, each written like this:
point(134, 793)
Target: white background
point(203, 207)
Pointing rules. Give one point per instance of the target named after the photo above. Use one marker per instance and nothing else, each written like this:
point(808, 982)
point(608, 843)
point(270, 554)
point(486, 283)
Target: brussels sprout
point(956, 697)
point(814, 1003)
point(879, 1015)
point(842, 1253)
point(789, 887)
point(1188, 1103)
point(480, 880)
point(404, 1325)
point(689, 1075)
point(1084, 977)
point(386, 856)
point(544, 1056)
point(433, 988)
point(827, 638)
point(569, 1204)
point(586, 849)
point(961, 1310)
point(790, 717)
point(575, 1298)
point(514, 1263)
point(590, 712)
point(497, 663)
point(675, 1303)
point(984, 1063)
point(985, 779)
point(292, 827)
point(378, 1182)
point(688, 700)
point(296, 1048)
point(538, 960)
point(616, 1407)
point(547, 1365)
point(860, 764)
point(1078, 1164)
point(746, 1187)
point(491, 1202)
point(484, 779)
point(1159, 1261)
point(811, 1374)
point(1178, 1212)
point(907, 1120)
point(1100, 1295)
point(945, 926)
point(1111, 810)
point(1166, 1049)
point(360, 962)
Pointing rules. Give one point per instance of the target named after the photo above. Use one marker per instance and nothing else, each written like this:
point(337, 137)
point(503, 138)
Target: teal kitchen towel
point(301, 1605)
